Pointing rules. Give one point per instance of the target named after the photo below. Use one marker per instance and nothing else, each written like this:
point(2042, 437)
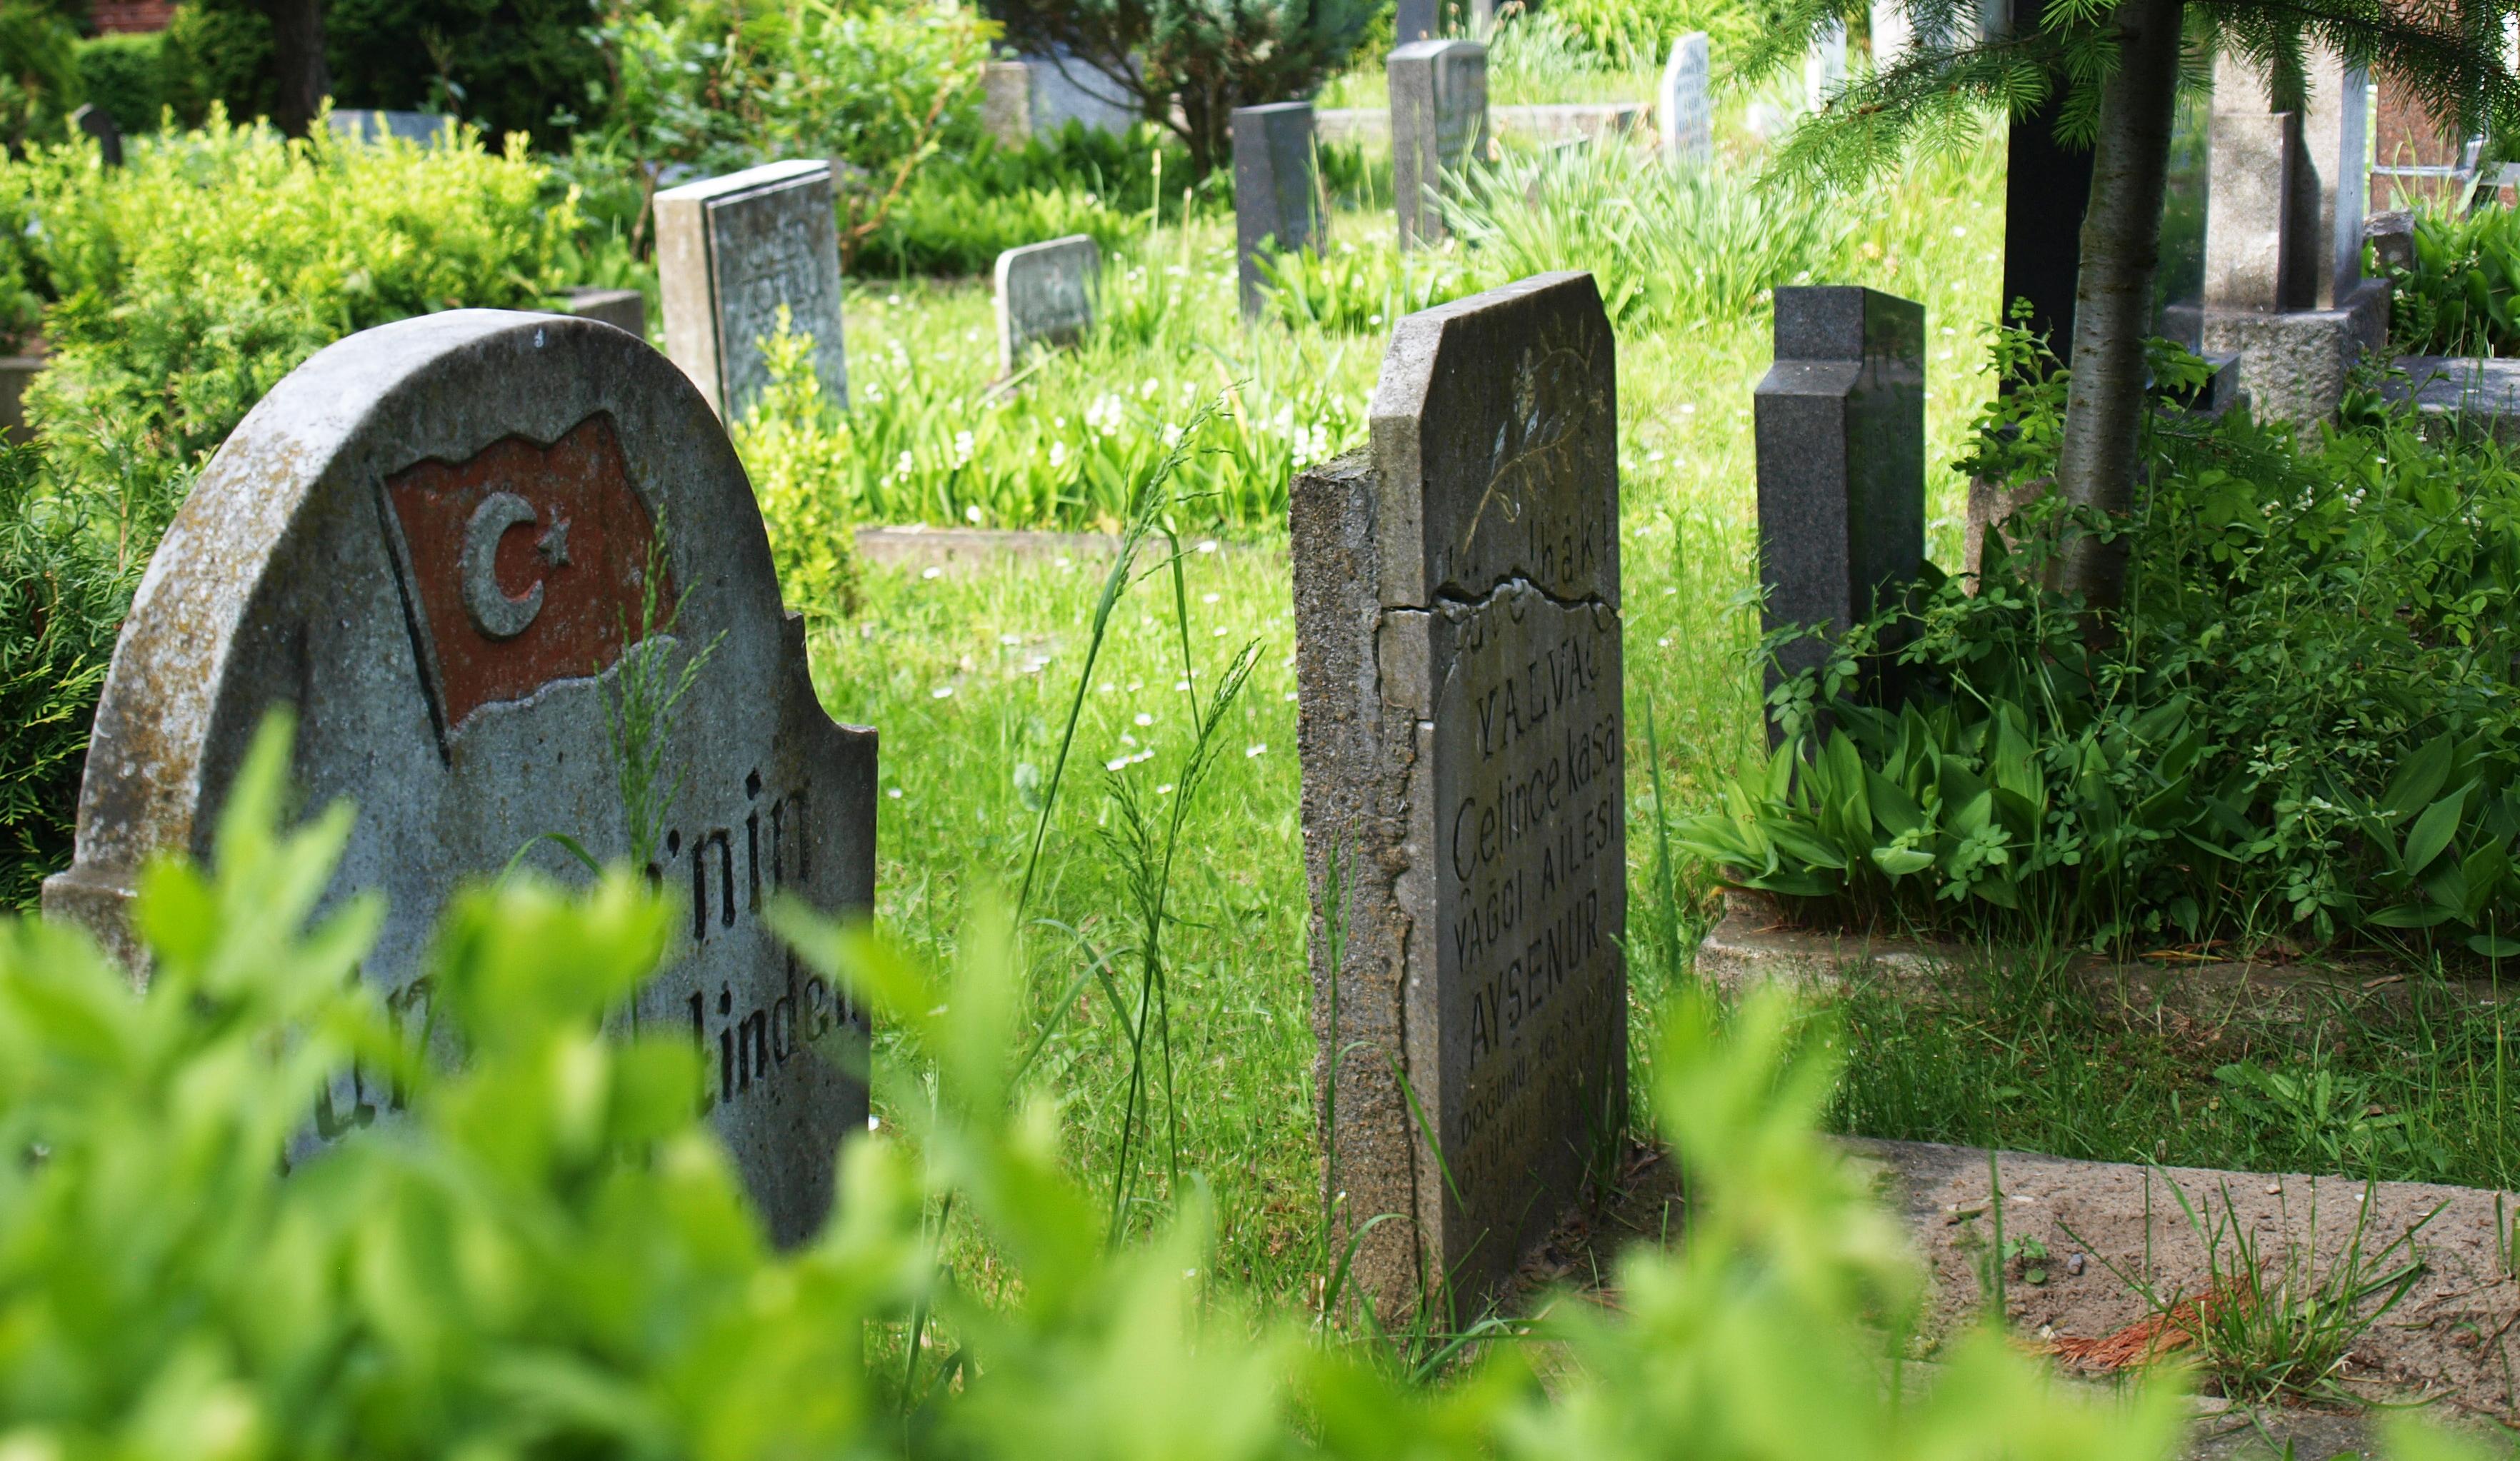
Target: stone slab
point(1680, 109)
point(1841, 425)
point(2461, 392)
point(2294, 364)
point(1277, 196)
point(1439, 123)
point(625, 310)
point(1045, 296)
point(1458, 622)
point(433, 540)
point(732, 251)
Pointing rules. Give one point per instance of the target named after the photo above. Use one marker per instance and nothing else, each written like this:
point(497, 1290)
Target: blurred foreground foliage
point(548, 1251)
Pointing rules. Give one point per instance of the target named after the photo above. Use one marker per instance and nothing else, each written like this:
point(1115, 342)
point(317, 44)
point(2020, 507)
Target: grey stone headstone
point(1892, 34)
point(430, 540)
point(1045, 297)
point(1006, 102)
point(423, 127)
point(97, 122)
point(1062, 88)
point(2288, 232)
point(1439, 123)
point(1457, 622)
point(1417, 20)
point(1840, 429)
point(730, 251)
point(2248, 230)
point(1681, 110)
point(1276, 200)
point(622, 309)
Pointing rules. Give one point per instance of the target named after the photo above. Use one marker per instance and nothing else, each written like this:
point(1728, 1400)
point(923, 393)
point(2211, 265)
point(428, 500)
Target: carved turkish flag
point(521, 565)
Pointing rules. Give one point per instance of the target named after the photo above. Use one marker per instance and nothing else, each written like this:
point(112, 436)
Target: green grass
point(969, 680)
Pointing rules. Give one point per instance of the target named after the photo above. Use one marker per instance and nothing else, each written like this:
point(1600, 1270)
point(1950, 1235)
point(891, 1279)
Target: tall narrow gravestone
point(1439, 122)
point(1688, 130)
point(1840, 424)
point(1276, 204)
point(729, 253)
point(1045, 296)
point(1456, 621)
point(434, 541)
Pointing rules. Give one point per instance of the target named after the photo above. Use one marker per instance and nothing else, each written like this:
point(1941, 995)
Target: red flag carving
point(521, 565)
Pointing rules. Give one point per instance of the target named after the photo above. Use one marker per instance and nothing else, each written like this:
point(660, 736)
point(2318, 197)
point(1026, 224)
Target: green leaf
point(2419, 779)
point(1899, 861)
point(2432, 832)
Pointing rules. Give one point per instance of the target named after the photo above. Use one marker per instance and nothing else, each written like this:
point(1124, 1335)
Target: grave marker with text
point(434, 541)
point(730, 252)
point(1457, 596)
point(1045, 296)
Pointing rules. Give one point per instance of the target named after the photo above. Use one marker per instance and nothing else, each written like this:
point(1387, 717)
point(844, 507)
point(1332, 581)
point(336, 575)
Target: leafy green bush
point(1668, 245)
point(958, 213)
point(1638, 33)
point(2300, 727)
point(878, 88)
point(547, 1254)
point(62, 598)
point(2462, 295)
point(216, 261)
point(39, 74)
point(127, 74)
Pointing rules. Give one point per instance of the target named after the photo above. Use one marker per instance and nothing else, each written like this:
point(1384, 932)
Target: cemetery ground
point(970, 672)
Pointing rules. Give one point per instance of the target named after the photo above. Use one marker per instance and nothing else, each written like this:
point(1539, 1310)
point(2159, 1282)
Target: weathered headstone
point(99, 123)
point(423, 127)
point(1457, 622)
point(1006, 102)
point(1840, 427)
point(1439, 122)
point(2284, 235)
point(1040, 95)
point(1276, 200)
point(1893, 35)
point(1681, 110)
point(730, 252)
point(1045, 296)
point(432, 540)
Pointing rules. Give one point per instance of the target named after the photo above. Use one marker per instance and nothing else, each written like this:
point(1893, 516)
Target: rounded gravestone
point(434, 541)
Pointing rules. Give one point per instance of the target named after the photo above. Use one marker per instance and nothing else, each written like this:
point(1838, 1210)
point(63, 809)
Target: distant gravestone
point(1045, 296)
point(1439, 122)
point(1276, 200)
point(622, 309)
point(97, 122)
point(431, 540)
point(1840, 427)
point(423, 127)
point(1415, 21)
point(1681, 110)
point(1458, 622)
point(729, 253)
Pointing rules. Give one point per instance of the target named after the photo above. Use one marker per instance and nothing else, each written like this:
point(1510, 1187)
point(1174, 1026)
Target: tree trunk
point(298, 55)
point(2104, 404)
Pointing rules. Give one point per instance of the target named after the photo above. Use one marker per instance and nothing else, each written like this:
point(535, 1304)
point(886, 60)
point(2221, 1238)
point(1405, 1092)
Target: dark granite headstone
point(730, 252)
point(1840, 424)
point(1457, 622)
point(1276, 200)
point(97, 122)
point(1439, 123)
point(432, 541)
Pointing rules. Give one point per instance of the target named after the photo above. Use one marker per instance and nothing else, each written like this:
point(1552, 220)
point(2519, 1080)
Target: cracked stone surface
point(1457, 599)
